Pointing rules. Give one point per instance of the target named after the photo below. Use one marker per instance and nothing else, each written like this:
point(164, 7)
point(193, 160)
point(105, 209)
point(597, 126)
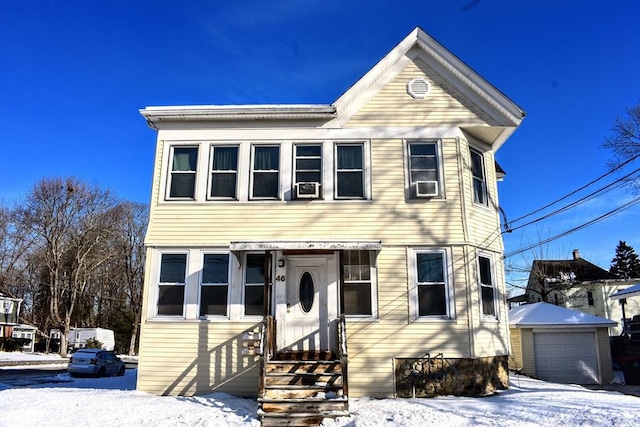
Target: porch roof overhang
point(281, 245)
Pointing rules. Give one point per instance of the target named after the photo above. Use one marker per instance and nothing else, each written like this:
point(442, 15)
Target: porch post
point(341, 283)
point(266, 299)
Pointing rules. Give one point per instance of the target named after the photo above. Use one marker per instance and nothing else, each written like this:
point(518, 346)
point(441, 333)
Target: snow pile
point(115, 402)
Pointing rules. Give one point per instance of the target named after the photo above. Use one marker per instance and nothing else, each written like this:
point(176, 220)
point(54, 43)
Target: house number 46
point(280, 278)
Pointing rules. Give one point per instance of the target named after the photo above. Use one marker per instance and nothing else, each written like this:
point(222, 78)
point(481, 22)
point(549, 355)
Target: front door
point(307, 305)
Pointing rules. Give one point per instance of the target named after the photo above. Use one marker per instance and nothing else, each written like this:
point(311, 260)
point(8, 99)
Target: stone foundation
point(438, 376)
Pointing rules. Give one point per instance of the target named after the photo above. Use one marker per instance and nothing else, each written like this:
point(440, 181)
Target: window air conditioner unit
point(307, 190)
point(426, 188)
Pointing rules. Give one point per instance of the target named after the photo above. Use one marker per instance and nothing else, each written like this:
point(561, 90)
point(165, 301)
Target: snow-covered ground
point(115, 402)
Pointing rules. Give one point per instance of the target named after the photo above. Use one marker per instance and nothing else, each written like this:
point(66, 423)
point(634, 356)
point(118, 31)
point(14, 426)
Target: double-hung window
point(182, 179)
point(479, 178)
point(349, 178)
point(487, 287)
point(430, 293)
point(214, 289)
point(265, 172)
point(424, 173)
point(308, 164)
point(254, 284)
point(173, 269)
point(224, 172)
point(357, 283)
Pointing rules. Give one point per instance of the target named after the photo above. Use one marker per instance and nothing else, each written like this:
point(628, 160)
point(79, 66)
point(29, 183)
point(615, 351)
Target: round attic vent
point(418, 88)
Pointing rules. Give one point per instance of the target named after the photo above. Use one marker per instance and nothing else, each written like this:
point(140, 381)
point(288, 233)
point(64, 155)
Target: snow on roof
point(632, 291)
point(549, 315)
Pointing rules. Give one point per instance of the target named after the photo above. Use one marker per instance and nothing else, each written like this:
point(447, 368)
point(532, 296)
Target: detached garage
point(560, 345)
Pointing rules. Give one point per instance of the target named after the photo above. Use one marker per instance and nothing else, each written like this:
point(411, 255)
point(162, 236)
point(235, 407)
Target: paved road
point(23, 377)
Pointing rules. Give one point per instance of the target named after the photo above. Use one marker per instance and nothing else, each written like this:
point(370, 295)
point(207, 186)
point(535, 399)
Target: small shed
point(557, 344)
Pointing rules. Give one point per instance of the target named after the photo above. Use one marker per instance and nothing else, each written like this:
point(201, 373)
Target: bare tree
point(70, 221)
point(131, 259)
point(15, 243)
point(625, 142)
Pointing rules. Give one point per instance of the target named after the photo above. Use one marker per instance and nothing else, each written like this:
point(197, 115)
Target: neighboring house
point(27, 336)
point(560, 345)
point(576, 283)
point(9, 312)
point(373, 222)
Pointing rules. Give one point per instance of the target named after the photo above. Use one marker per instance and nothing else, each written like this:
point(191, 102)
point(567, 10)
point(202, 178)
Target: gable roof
point(419, 45)
point(506, 116)
point(584, 270)
point(542, 314)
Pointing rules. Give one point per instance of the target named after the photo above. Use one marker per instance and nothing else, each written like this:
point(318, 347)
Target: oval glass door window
point(307, 292)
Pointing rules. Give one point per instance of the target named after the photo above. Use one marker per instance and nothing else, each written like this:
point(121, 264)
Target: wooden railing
point(267, 348)
point(343, 354)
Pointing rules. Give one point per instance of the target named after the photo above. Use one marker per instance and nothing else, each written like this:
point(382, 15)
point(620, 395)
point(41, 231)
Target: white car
point(94, 361)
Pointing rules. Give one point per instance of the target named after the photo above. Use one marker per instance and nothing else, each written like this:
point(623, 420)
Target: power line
point(573, 230)
point(600, 191)
point(576, 191)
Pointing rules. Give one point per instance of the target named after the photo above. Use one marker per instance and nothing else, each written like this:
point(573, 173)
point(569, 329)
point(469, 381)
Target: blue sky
point(73, 75)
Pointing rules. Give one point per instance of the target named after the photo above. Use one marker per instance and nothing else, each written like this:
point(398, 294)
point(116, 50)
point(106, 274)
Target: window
point(424, 174)
point(308, 164)
point(182, 179)
point(356, 267)
point(265, 172)
point(224, 172)
point(214, 289)
point(254, 285)
point(349, 171)
point(173, 269)
point(479, 180)
point(590, 300)
point(487, 287)
point(430, 293)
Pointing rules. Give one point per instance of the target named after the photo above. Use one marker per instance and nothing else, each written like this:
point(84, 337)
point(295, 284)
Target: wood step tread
point(301, 400)
point(326, 414)
point(303, 387)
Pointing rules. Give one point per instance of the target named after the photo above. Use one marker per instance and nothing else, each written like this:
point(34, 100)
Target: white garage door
point(566, 357)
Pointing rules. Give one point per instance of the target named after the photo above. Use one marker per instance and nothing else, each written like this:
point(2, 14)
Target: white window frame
point(373, 288)
point(170, 172)
point(252, 170)
point(211, 171)
point(492, 285)
point(411, 185)
point(482, 180)
point(202, 284)
point(414, 310)
point(364, 171)
point(245, 284)
point(158, 284)
point(294, 169)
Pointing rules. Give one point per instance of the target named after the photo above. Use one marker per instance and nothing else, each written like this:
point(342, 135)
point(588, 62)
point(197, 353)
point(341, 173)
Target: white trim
point(412, 253)
point(494, 285)
point(204, 253)
point(270, 171)
point(155, 280)
point(410, 192)
point(186, 135)
point(278, 245)
point(212, 147)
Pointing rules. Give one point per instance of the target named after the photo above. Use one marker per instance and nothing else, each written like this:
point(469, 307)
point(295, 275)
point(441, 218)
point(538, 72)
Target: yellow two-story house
point(364, 234)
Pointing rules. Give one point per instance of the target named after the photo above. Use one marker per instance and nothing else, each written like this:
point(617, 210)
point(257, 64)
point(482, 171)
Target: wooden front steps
point(301, 389)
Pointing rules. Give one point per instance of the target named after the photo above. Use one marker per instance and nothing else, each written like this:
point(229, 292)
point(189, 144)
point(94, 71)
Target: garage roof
point(542, 314)
point(633, 291)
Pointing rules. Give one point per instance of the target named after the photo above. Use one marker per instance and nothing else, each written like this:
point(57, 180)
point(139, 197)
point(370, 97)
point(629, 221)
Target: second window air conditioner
point(307, 190)
point(426, 188)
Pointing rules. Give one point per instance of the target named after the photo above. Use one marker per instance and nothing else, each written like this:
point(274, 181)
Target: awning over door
point(281, 245)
